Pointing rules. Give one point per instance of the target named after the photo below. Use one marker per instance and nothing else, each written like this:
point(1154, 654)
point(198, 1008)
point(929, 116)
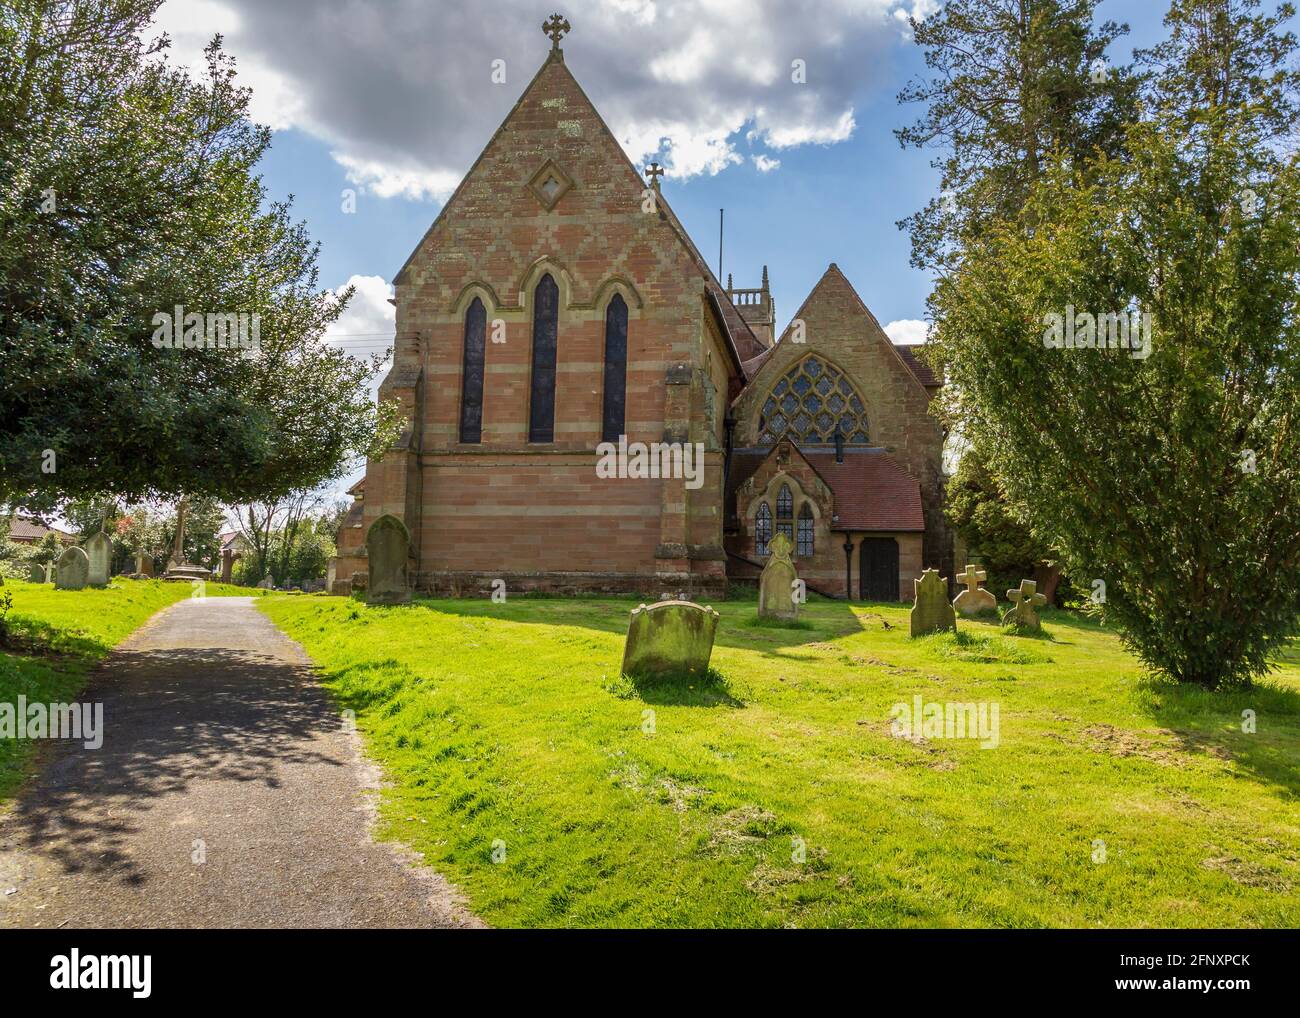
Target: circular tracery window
point(807, 403)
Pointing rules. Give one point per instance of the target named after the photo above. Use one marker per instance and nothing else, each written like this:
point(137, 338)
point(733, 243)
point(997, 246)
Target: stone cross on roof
point(556, 26)
point(654, 173)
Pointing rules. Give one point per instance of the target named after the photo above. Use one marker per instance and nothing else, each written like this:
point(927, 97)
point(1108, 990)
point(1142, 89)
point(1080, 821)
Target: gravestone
point(388, 546)
point(931, 612)
point(776, 584)
point(1021, 614)
point(144, 565)
point(974, 600)
point(669, 638)
point(268, 582)
point(73, 570)
point(99, 552)
point(37, 573)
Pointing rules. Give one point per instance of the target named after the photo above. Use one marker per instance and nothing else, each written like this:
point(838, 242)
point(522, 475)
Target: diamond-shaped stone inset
point(549, 184)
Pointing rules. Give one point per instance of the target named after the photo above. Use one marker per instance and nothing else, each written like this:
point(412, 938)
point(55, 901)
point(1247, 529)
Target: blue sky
point(391, 100)
point(825, 202)
point(341, 81)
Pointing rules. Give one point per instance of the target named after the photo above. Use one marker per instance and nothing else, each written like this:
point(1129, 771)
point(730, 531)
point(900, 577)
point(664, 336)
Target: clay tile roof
point(920, 369)
point(872, 491)
point(24, 529)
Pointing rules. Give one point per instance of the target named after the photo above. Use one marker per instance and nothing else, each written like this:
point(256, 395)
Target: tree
point(205, 519)
point(981, 513)
point(1175, 477)
point(1012, 82)
point(129, 190)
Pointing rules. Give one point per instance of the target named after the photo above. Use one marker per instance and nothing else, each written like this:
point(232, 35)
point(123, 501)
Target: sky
point(390, 101)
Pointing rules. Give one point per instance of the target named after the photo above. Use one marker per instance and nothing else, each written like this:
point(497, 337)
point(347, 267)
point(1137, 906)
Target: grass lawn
point(59, 634)
point(506, 732)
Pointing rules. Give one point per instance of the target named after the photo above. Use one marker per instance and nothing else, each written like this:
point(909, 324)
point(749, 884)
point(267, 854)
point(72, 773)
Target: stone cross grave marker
point(974, 600)
point(1026, 599)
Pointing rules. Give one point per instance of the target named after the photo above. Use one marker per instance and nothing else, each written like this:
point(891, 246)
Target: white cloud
point(766, 164)
point(907, 330)
point(389, 180)
point(402, 92)
point(368, 322)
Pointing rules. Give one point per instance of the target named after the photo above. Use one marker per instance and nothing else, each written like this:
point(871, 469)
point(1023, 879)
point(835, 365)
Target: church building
point(557, 310)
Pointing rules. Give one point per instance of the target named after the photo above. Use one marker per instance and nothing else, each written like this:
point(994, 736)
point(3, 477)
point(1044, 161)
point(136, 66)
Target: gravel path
point(218, 746)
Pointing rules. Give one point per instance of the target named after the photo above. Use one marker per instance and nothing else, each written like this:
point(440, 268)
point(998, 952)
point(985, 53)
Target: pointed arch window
point(762, 528)
point(785, 512)
point(809, 402)
point(471, 373)
point(804, 544)
point(541, 405)
point(614, 411)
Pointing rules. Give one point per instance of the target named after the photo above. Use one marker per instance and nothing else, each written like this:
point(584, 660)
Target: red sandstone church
point(556, 304)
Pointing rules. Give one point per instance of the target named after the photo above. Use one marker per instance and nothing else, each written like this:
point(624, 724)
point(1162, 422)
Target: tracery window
point(808, 402)
point(785, 512)
point(762, 528)
point(804, 545)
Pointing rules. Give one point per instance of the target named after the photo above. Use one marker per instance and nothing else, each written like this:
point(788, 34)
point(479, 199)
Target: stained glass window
point(762, 528)
point(808, 402)
point(471, 373)
point(785, 512)
point(613, 415)
point(805, 543)
point(541, 408)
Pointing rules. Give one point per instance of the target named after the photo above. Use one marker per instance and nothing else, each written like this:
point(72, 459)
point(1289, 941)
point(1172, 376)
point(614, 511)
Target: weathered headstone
point(268, 582)
point(144, 565)
point(73, 570)
point(1021, 614)
point(776, 584)
point(36, 573)
point(99, 552)
point(669, 638)
point(931, 612)
point(388, 545)
point(974, 600)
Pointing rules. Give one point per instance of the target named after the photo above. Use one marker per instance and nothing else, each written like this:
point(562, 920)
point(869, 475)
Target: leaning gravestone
point(974, 600)
point(776, 584)
point(36, 573)
point(388, 545)
point(931, 612)
point(73, 570)
point(669, 638)
point(99, 550)
point(1021, 614)
point(268, 582)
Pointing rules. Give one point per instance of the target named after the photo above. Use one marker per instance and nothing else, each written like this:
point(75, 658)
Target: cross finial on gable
point(556, 26)
point(654, 173)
